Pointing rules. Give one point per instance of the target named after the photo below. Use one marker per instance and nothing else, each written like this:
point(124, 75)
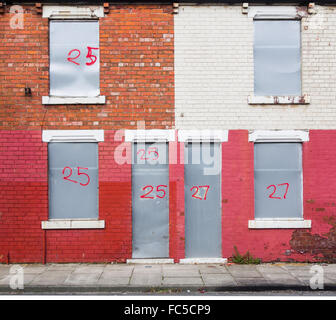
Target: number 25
point(89, 55)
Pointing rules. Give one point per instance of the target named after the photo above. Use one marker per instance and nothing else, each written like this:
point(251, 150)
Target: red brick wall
point(114, 243)
point(129, 36)
point(137, 78)
point(176, 201)
point(319, 201)
point(24, 204)
point(23, 195)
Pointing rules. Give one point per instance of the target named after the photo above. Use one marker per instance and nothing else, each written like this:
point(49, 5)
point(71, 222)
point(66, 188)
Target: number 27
point(274, 190)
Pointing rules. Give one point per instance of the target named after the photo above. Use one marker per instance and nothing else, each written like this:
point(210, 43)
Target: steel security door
point(203, 220)
point(150, 200)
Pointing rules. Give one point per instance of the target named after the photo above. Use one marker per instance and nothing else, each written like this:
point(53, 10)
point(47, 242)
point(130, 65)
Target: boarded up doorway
point(203, 222)
point(150, 200)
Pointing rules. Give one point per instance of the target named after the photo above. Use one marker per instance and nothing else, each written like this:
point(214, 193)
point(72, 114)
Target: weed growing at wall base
point(246, 258)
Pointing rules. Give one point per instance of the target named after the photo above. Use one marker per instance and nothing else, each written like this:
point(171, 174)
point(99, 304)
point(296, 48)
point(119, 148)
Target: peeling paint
point(323, 248)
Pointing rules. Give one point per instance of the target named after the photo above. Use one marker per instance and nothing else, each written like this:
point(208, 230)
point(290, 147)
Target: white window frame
point(73, 136)
point(279, 136)
point(70, 13)
point(277, 13)
point(152, 135)
point(203, 135)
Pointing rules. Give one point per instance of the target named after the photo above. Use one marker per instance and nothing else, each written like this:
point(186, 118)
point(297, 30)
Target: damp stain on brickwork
point(321, 247)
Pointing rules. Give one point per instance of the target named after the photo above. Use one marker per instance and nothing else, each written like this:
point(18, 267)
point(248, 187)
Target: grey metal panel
point(73, 196)
point(203, 218)
point(67, 79)
point(150, 213)
point(276, 165)
point(277, 57)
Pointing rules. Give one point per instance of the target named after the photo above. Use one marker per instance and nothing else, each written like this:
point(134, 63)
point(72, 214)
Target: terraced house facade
point(174, 131)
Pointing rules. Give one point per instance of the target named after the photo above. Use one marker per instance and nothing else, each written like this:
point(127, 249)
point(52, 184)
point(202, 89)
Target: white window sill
point(72, 135)
point(73, 100)
point(279, 136)
point(73, 224)
point(279, 224)
point(305, 99)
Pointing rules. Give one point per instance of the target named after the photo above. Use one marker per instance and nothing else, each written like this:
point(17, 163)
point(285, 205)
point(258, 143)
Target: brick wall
point(137, 78)
point(24, 204)
point(214, 72)
point(23, 195)
point(136, 72)
point(319, 206)
point(214, 76)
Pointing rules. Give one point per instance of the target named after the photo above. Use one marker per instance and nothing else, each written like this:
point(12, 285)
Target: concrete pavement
point(76, 278)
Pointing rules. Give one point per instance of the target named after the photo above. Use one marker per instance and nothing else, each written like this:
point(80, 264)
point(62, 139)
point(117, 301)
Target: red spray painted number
point(196, 193)
point(271, 196)
point(72, 58)
point(161, 193)
point(92, 57)
point(79, 173)
point(152, 151)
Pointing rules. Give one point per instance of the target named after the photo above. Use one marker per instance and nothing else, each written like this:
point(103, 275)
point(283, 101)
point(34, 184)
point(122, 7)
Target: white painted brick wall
point(214, 72)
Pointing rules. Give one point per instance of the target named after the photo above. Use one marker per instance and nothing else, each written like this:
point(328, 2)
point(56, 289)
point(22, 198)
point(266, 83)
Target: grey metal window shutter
point(73, 180)
point(72, 40)
point(278, 180)
point(277, 57)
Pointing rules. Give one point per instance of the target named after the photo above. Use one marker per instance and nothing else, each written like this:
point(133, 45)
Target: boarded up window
point(277, 57)
point(74, 58)
point(73, 180)
point(278, 180)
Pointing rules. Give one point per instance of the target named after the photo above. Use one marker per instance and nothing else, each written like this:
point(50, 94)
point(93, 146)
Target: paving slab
point(151, 279)
point(218, 280)
point(34, 269)
point(181, 266)
point(251, 282)
point(212, 269)
point(72, 277)
point(62, 267)
point(244, 271)
point(271, 269)
point(82, 279)
point(176, 282)
point(27, 279)
point(175, 271)
point(116, 273)
point(119, 267)
point(280, 279)
point(331, 268)
point(89, 269)
point(113, 281)
point(139, 269)
point(50, 277)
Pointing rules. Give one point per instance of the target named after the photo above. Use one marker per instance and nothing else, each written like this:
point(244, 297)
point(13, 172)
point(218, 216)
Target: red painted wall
point(23, 195)
point(24, 204)
point(319, 202)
